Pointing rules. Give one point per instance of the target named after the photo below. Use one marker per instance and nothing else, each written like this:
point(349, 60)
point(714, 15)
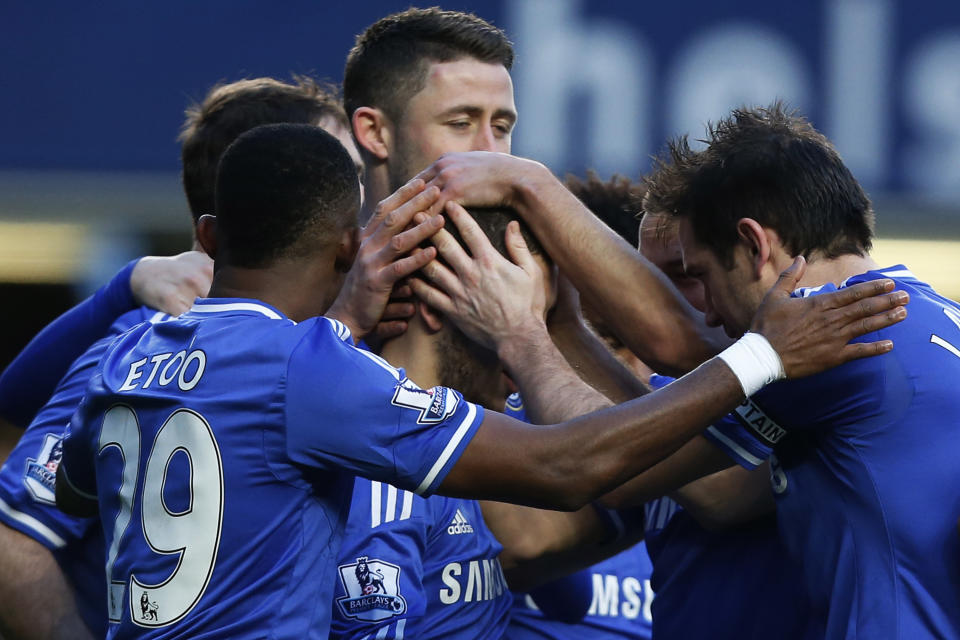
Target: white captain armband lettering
point(755, 363)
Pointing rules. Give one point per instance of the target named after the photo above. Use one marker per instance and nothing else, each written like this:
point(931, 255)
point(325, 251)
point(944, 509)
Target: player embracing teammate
point(222, 445)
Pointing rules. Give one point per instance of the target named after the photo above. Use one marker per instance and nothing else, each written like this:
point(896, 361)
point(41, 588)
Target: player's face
point(661, 246)
point(466, 105)
point(730, 296)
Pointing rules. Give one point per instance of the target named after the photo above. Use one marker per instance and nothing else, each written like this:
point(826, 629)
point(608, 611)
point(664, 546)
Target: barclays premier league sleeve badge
point(373, 590)
point(40, 475)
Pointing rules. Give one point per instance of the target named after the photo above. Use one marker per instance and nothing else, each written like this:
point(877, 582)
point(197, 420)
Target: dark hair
point(666, 184)
point(616, 202)
point(458, 355)
point(282, 190)
point(771, 165)
point(493, 222)
point(231, 109)
point(388, 63)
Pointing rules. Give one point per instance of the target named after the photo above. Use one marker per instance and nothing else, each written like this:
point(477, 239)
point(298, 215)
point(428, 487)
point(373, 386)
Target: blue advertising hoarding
point(600, 83)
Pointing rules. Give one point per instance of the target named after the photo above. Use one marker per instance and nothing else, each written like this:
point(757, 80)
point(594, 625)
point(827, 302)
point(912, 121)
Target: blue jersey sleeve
point(378, 423)
point(567, 599)
point(27, 477)
point(28, 382)
point(380, 588)
point(738, 434)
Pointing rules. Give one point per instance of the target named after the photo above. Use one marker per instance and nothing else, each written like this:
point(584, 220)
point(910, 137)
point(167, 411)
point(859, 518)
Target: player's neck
point(376, 187)
point(823, 270)
point(297, 289)
point(416, 353)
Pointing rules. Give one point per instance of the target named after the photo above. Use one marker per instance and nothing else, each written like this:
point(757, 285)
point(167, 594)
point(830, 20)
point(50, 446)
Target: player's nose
point(710, 315)
point(484, 140)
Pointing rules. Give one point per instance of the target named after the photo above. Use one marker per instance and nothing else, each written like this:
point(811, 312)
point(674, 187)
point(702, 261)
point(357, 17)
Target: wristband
point(754, 362)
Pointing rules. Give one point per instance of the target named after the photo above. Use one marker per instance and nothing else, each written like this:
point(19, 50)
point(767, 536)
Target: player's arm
point(728, 498)
point(540, 545)
point(589, 356)
point(166, 284)
point(36, 603)
point(568, 464)
point(637, 300)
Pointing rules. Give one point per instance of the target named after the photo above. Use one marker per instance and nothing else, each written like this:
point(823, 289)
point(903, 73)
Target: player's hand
point(813, 334)
point(491, 299)
point(479, 178)
point(171, 284)
point(388, 253)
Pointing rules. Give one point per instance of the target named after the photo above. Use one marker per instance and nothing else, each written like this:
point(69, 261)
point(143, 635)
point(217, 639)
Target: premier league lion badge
point(373, 590)
point(40, 476)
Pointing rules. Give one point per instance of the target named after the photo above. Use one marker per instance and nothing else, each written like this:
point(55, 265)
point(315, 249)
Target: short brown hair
point(229, 110)
point(388, 64)
point(770, 164)
point(617, 202)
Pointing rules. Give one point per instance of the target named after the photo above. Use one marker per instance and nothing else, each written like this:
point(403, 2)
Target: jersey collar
point(236, 306)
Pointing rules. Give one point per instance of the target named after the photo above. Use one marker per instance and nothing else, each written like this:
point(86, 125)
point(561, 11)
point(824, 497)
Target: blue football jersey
point(413, 567)
point(27, 483)
point(620, 607)
point(866, 483)
point(621, 592)
point(222, 448)
point(733, 584)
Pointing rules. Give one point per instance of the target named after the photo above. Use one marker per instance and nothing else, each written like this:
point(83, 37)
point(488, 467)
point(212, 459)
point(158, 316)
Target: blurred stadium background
point(94, 95)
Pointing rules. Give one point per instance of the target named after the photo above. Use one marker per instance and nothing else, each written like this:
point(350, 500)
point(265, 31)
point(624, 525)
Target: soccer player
point(775, 188)
point(441, 575)
point(418, 84)
point(62, 553)
point(763, 592)
point(198, 441)
point(863, 479)
point(421, 83)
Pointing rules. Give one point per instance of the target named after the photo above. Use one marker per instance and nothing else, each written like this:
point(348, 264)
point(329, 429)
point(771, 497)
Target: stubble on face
point(465, 105)
point(731, 294)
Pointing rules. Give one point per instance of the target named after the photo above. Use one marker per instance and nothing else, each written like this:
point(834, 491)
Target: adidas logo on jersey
point(459, 524)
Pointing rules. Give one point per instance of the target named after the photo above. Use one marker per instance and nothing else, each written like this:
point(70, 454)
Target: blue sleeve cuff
point(117, 296)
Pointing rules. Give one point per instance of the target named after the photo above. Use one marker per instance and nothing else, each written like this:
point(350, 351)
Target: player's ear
point(347, 249)
point(432, 320)
point(373, 132)
point(207, 234)
point(757, 242)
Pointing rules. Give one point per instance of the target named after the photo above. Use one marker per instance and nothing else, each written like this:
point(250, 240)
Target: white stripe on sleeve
point(35, 525)
point(458, 435)
point(735, 447)
point(374, 504)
